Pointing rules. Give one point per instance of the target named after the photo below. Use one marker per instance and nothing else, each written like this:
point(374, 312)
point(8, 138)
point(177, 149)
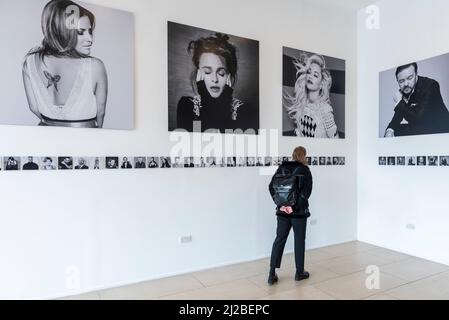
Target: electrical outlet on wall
point(186, 239)
point(410, 226)
point(313, 222)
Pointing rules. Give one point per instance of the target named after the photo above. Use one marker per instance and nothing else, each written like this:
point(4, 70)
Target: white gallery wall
point(111, 228)
point(401, 208)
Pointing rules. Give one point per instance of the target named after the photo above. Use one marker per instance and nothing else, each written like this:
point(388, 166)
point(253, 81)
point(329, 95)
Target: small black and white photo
point(391, 161)
point(241, 162)
point(422, 161)
point(98, 163)
point(411, 161)
point(382, 161)
point(313, 95)
point(322, 161)
point(11, 163)
point(154, 162)
point(231, 161)
point(251, 161)
point(213, 81)
point(30, 163)
point(177, 162)
point(314, 161)
point(189, 162)
point(329, 161)
point(211, 162)
point(65, 67)
point(444, 161)
point(82, 163)
point(268, 161)
point(165, 162)
point(112, 162)
point(200, 162)
point(65, 163)
point(126, 162)
point(259, 162)
point(140, 162)
point(339, 161)
point(414, 98)
point(49, 163)
point(221, 162)
point(400, 161)
point(432, 161)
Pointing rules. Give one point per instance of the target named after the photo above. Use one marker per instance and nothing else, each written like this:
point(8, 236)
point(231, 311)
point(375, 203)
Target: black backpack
point(286, 185)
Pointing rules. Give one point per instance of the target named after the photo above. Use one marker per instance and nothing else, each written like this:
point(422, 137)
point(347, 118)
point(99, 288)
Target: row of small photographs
point(12, 163)
point(326, 161)
point(432, 161)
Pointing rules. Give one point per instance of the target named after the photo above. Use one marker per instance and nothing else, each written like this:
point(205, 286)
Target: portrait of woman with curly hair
point(213, 81)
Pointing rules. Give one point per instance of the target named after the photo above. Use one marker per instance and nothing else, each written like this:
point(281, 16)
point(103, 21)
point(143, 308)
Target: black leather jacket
point(299, 211)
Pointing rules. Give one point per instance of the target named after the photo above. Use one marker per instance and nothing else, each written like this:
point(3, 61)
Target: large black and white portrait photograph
point(213, 81)
point(313, 96)
point(68, 64)
point(413, 98)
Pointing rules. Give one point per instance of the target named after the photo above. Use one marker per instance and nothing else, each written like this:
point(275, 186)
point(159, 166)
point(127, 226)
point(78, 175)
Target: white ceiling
point(353, 5)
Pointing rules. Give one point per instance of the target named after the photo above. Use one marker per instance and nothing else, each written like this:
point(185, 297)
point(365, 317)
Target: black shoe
point(272, 278)
point(301, 275)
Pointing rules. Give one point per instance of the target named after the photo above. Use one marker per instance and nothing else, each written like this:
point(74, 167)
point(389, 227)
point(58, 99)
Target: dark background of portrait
point(337, 68)
point(180, 68)
point(113, 44)
point(435, 68)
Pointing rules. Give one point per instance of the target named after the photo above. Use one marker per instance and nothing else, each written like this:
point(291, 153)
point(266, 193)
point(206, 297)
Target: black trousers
point(283, 229)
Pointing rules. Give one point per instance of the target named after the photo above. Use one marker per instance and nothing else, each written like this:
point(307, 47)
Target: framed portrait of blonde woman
point(313, 95)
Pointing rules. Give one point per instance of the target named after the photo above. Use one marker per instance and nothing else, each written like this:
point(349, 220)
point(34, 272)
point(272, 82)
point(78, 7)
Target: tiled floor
point(337, 272)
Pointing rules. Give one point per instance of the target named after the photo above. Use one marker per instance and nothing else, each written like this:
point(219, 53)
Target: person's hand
point(389, 133)
point(287, 210)
point(228, 81)
point(199, 75)
point(397, 96)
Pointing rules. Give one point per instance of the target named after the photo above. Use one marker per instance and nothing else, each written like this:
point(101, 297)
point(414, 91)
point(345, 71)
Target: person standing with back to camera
point(293, 182)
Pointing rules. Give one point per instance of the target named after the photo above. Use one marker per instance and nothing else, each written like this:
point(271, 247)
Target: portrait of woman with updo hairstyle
point(213, 81)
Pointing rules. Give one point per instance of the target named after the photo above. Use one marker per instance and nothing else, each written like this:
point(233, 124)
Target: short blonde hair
point(300, 155)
